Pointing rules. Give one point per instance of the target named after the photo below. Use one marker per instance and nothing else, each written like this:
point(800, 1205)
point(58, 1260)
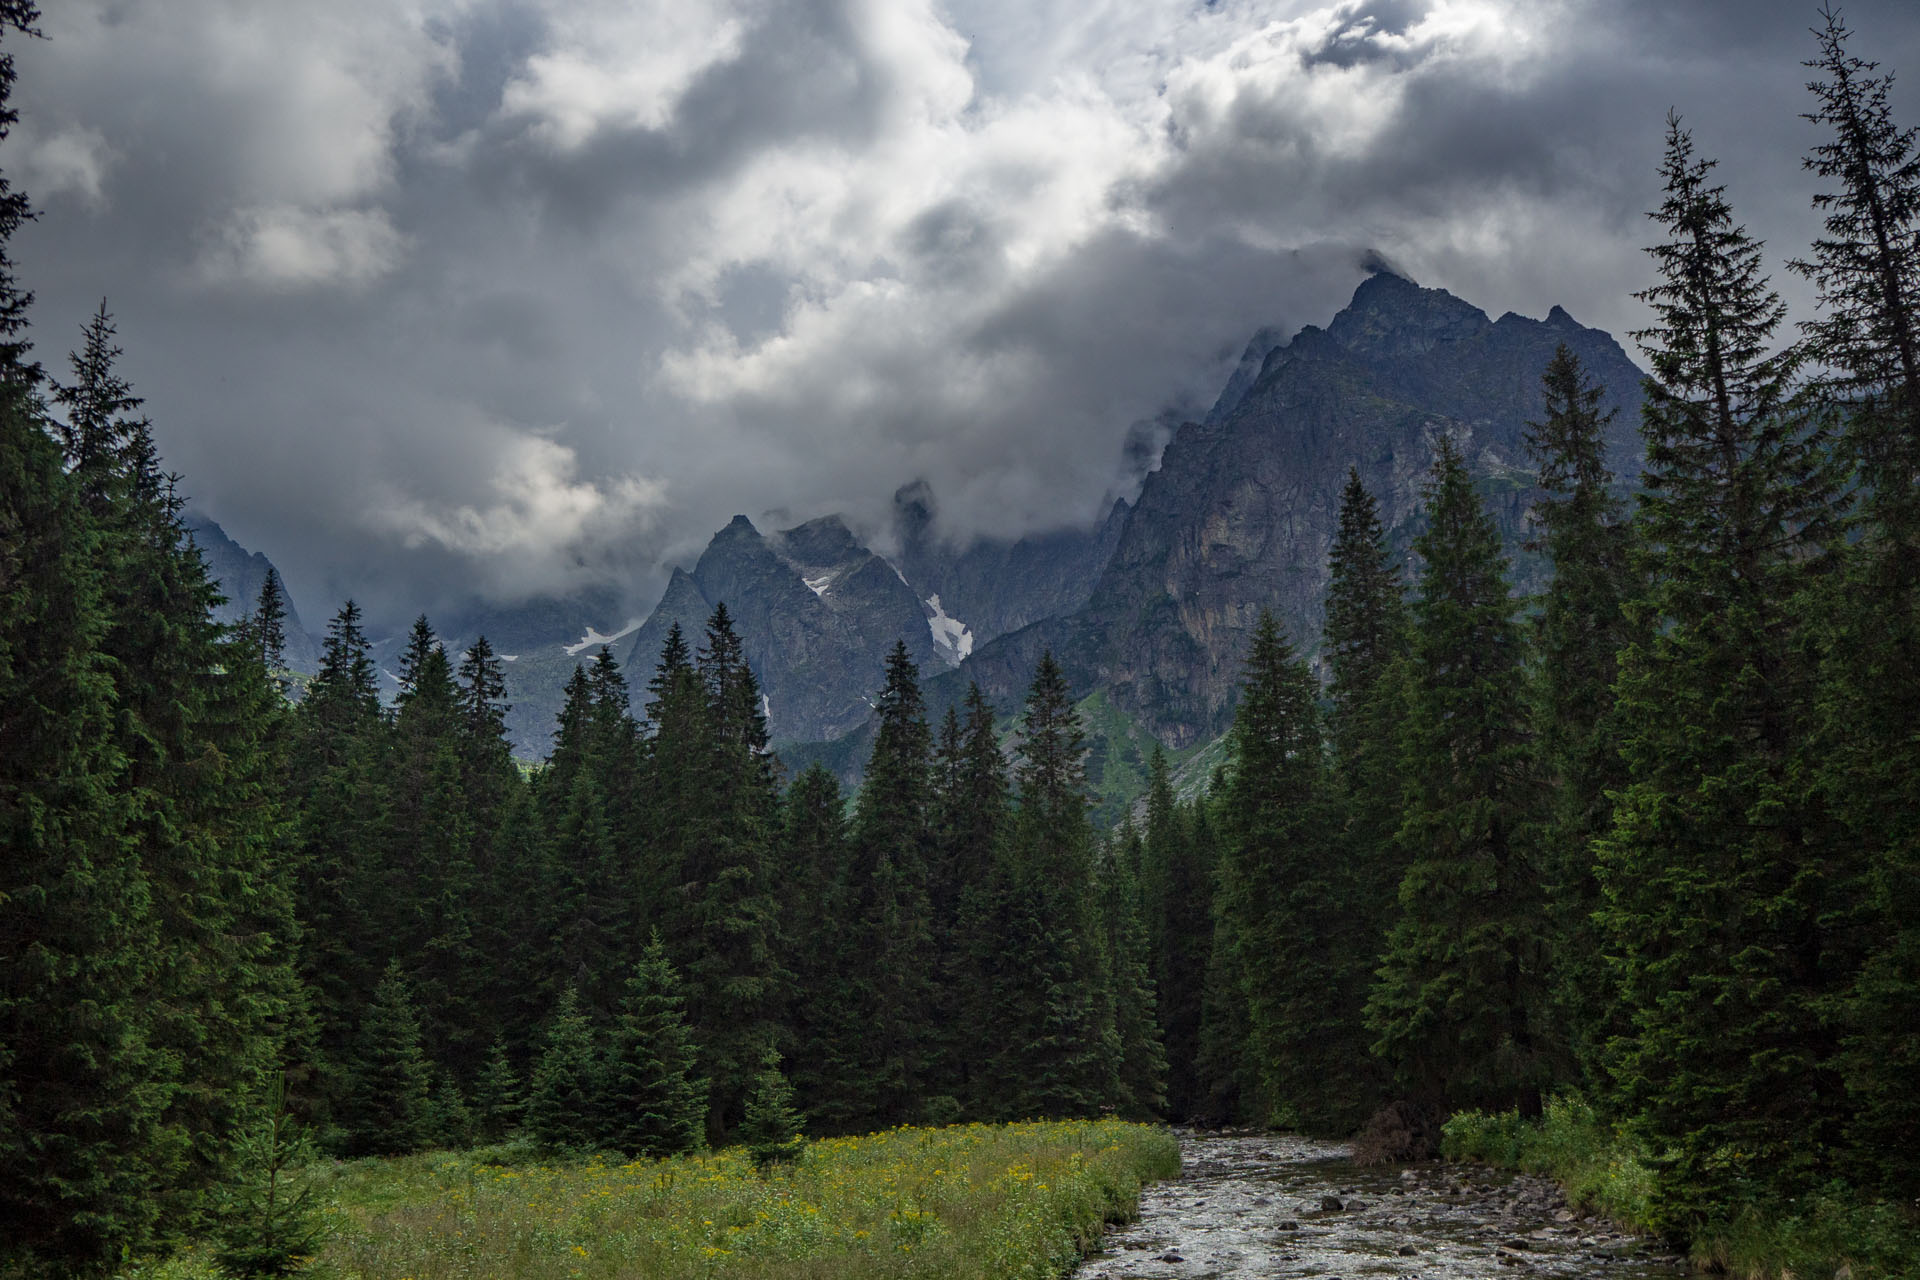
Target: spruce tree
point(824, 1010)
point(1457, 1005)
point(270, 1224)
point(1142, 1064)
point(1867, 270)
point(388, 1109)
point(82, 1087)
point(338, 750)
point(192, 713)
point(1283, 895)
point(267, 629)
point(1867, 336)
point(1714, 874)
point(771, 1129)
point(888, 938)
point(1225, 1087)
point(653, 1102)
point(1578, 634)
point(1177, 897)
point(719, 916)
point(499, 1106)
point(563, 1094)
point(1366, 649)
point(976, 824)
point(1059, 1056)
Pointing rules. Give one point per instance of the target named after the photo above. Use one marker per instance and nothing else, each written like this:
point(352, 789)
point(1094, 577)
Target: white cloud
point(287, 247)
point(72, 161)
point(537, 507)
point(618, 64)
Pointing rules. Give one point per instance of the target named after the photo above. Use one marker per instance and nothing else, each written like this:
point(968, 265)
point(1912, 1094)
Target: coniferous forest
point(1651, 837)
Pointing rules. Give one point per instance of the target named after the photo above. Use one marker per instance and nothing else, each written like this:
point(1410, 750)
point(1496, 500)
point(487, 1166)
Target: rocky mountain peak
point(1392, 317)
point(821, 544)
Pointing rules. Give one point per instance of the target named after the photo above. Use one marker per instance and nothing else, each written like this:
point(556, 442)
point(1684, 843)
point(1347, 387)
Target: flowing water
point(1249, 1207)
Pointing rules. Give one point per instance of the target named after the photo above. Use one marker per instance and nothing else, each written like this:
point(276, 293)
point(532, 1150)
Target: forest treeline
point(1652, 836)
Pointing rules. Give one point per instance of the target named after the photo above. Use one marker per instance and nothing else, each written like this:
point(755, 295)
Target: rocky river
point(1254, 1207)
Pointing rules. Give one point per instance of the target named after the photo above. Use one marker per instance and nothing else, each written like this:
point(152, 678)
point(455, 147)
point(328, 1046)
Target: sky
point(433, 299)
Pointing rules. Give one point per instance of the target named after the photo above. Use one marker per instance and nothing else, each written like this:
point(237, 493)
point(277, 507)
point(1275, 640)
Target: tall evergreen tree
point(1366, 648)
point(1282, 896)
point(718, 914)
point(1177, 895)
point(975, 825)
point(338, 747)
point(1578, 634)
point(1867, 270)
point(812, 911)
point(192, 714)
point(1059, 1056)
point(1142, 1065)
point(82, 1087)
point(1457, 1004)
point(1714, 873)
point(1225, 1087)
point(267, 629)
point(888, 937)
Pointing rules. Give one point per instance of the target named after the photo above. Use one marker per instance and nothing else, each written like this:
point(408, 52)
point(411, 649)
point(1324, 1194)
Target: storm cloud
point(444, 297)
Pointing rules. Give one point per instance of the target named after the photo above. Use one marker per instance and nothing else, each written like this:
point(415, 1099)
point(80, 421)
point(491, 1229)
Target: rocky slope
point(1241, 512)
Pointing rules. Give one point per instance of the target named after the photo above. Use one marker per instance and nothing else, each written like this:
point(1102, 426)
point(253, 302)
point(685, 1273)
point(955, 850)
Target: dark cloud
point(524, 295)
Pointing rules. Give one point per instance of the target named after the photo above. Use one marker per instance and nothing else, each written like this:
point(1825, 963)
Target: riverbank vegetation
point(1607, 1169)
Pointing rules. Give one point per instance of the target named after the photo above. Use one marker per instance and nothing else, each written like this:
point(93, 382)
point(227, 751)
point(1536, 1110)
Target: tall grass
point(1017, 1201)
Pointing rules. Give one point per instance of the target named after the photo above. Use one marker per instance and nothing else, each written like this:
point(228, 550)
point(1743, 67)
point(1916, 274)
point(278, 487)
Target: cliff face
point(1240, 514)
point(996, 587)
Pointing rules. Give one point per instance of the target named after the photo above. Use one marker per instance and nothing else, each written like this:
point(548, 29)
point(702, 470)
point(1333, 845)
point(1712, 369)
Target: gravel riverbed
point(1270, 1205)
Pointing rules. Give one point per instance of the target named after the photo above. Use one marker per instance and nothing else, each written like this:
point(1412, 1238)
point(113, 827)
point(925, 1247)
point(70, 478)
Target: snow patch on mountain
point(950, 635)
point(594, 637)
point(820, 584)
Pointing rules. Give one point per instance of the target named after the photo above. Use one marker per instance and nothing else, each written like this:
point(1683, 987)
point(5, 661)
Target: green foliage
point(1021, 1202)
point(653, 1102)
point(771, 1129)
point(1578, 635)
point(887, 945)
point(1603, 1167)
point(1177, 906)
point(498, 1103)
point(1867, 338)
point(1283, 893)
point(1717, 870)
point(270, 1223)
point(1457, 1004)
point(389, 1112)
point(1058, 1054)
point(563, 1094)
point(1142, 1067)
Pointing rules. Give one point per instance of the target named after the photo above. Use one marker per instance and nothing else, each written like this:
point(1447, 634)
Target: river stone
point(1331, 1204)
